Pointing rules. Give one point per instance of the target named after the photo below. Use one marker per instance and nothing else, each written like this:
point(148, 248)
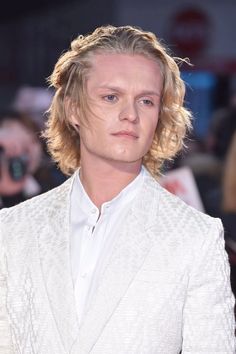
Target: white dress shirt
point(92, 236)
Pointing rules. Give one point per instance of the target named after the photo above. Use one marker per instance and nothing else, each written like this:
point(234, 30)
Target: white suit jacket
point(165, 287)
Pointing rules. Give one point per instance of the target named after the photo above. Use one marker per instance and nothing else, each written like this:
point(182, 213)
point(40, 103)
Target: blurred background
point(34, 34)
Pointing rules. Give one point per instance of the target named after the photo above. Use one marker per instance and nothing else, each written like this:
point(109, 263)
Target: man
point(109, 262)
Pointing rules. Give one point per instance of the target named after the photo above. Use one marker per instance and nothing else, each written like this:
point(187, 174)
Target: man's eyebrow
point(108, 87)
point(119, 89)
point(151, 93)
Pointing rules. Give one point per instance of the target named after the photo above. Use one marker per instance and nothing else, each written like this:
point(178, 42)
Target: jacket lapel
point(132, 246)
point(54, 252)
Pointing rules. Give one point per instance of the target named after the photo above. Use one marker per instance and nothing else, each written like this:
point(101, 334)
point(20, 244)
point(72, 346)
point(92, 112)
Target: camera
point(17, 165)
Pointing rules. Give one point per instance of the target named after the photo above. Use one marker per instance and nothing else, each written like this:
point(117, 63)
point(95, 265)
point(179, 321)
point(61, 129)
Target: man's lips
point(126, 133)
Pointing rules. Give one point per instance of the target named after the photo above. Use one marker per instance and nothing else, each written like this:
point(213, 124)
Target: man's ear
point(72, 112)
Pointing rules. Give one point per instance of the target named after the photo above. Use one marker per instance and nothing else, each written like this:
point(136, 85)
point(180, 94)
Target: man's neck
point(103, 182)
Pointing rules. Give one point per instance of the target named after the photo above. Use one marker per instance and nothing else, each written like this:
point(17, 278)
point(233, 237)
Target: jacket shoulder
point(174, 214)
point(38, 204)
point(185, 217)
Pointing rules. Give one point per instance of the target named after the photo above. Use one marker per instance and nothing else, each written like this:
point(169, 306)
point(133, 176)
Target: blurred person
point(220, 145)
point(222, 128)
point(229, 180)
point(25, 170)
point(208, 163)
point(111, 262)
point(228, 205)
point(20, 157)
point(33, 101)
point(228, 208)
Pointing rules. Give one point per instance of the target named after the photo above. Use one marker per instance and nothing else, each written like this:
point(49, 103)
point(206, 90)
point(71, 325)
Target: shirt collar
point(82, 203)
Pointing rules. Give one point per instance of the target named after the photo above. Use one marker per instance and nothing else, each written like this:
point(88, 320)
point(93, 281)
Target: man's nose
point(129, 112)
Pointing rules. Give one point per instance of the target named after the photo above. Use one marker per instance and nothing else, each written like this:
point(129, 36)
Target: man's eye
point(147, 102)
point(110, 98)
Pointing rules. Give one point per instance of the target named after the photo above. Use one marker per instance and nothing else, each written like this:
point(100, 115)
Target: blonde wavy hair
point(69, 80)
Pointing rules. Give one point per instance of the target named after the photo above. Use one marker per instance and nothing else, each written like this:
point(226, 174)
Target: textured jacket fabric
point(165, 287)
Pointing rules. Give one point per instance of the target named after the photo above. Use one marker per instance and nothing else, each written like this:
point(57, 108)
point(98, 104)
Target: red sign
point(189, 32)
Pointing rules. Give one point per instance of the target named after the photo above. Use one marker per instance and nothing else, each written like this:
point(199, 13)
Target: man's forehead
point(122, 72)
point(109, 60)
